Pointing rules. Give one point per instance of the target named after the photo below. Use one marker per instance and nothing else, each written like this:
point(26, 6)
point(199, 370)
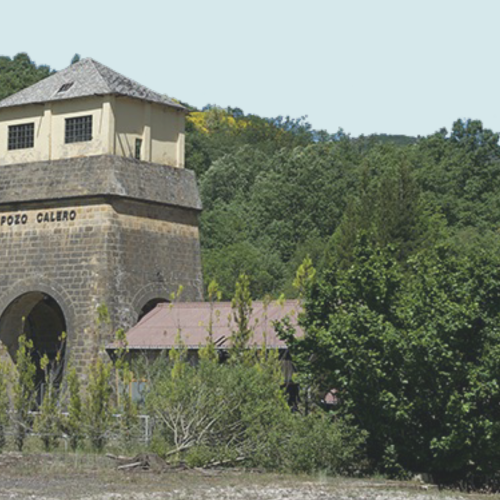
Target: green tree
point(126, 407)
point(263, 267)
point(98, 406)
point(389, 208)
point(18, 73)
point(48, 421)
point(460, 173)
point(73, 422)
point(24, 390)
point(242, 312)
point(413, 355)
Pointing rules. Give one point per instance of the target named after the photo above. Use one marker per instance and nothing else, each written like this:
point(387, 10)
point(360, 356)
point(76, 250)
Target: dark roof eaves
point(178, 107)
point(193, 347)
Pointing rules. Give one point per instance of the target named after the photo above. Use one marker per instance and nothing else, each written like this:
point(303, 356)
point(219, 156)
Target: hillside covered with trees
point(274, 191)
point(395, 240)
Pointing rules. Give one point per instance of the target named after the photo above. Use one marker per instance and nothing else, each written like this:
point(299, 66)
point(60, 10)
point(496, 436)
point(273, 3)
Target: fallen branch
point(120, 458)
point(130, 466)
point(225, 462)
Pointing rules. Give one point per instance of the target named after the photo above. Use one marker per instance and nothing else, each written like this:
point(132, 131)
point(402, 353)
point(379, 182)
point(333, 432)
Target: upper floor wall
point(90, 126)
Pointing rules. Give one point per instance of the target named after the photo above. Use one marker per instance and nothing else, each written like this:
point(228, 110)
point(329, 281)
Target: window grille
point(78, 129)
point(21, 136)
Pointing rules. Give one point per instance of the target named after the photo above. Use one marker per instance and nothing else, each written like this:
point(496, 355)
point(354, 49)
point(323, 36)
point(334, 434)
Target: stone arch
point(150, 305)
point(40, 302)
point(148, 296)
point(39, 317)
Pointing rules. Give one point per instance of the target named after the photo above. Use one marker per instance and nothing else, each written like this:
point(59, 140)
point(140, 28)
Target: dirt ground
point(83, 476)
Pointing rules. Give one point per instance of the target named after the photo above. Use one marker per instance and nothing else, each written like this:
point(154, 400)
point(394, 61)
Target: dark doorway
point(39, 317)
point(149, 306)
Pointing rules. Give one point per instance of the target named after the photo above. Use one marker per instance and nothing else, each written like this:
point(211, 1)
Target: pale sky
point(368, 66)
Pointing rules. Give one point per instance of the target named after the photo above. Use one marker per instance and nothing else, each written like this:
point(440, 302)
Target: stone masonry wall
point(152, 250)
point(119, 241)
point(66, 259)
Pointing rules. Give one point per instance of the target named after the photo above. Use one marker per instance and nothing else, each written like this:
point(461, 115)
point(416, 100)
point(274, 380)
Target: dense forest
point(275, 191)
point(391, 242)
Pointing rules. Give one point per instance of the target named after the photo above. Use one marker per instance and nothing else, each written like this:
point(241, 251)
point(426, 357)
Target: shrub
point(227, 409)
point(98, 407)
point(319, 443)
point(24, 390)
point(72, 423)
point(48, 420)
point(213, 413)
point(126, 407)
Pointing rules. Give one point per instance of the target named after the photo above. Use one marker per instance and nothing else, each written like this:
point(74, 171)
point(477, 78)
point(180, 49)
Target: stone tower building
point(95, 208)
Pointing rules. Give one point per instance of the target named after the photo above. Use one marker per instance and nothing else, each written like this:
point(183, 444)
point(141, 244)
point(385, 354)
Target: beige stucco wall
point(167, 136)
point(116, 124)
point(18, 116)
point(49, 120)
point(160, 128)
point(99, 144)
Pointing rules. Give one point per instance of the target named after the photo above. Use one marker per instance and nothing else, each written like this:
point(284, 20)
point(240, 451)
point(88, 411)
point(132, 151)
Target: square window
point(21, 136)
point(78, 129)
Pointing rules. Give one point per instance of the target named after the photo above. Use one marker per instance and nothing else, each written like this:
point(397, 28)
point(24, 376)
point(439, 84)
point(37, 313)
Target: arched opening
point(40, 318)
point(149, 306)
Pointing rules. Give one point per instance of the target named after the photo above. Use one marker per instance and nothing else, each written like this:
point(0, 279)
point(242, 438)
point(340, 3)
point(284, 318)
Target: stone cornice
point(97, 176)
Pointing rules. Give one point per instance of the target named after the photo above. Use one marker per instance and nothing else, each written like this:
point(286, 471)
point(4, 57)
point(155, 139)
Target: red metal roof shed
point(160, 329)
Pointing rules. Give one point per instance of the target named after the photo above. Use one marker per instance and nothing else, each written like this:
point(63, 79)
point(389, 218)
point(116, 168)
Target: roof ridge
point(135, 82)
point(93, 78)
point(93, 62)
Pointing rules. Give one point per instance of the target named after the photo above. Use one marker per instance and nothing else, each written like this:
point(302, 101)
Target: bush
point(98, 408)
point(227, 409)
point(72, 423)
point(24, 390)
point(48, 420)
point(213, 413)
point(318, 443)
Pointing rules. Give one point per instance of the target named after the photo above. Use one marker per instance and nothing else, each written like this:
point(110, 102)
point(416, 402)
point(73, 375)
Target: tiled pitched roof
point(83, 79)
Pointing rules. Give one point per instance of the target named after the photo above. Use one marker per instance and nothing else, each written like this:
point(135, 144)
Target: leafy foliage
point(242, 310)
point(125, 406)
point(18, 73)
point(72, 423)
point(48, 421)
point(460, 172)
point(413, 354)
point(24, 390)
point(401, 315)
point(230, 413)
point(98, 403)
point(264, 204)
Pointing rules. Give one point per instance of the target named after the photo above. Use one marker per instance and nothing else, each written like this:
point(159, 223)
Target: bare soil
point(90, 477)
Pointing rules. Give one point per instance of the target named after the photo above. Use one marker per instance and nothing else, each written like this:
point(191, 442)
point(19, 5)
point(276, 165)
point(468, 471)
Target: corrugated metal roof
point(83, 79)
point(159, 329)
